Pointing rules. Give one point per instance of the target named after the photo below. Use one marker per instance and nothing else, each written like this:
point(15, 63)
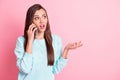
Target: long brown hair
point(47, 34)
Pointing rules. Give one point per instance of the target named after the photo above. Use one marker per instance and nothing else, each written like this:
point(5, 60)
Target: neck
point(39, 35)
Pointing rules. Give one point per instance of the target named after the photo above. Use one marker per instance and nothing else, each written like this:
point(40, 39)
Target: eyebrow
point(38, 15)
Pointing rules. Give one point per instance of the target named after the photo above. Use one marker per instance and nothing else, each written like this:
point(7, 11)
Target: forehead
point(40, 12)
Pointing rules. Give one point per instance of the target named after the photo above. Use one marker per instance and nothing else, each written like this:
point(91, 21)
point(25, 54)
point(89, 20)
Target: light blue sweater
point(34, 66)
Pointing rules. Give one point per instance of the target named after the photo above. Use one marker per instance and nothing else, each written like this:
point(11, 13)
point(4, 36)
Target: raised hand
point(30, 34)
point(71, 46)
point(31, 31)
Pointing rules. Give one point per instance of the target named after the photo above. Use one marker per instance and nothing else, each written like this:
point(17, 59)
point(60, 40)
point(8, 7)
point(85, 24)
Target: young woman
point(39, 53)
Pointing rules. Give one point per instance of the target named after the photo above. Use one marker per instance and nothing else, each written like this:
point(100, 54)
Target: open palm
point(73, 45)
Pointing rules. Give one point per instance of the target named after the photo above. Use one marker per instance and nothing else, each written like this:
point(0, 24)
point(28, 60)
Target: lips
point(42, 26)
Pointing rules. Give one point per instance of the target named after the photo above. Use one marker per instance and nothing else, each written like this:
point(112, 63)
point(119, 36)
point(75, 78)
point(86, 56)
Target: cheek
point(36, 23)
point(46, 21)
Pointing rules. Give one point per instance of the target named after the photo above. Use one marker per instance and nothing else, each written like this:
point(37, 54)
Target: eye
point(36, 18)
point(44, 16)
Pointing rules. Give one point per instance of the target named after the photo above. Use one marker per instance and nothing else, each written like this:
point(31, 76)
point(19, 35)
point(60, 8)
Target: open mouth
point(42, 26)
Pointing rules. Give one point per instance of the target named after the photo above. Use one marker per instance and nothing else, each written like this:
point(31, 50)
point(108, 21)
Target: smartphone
point(35, 33)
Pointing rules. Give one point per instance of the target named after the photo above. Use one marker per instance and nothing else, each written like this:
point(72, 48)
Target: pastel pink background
point(95, 22)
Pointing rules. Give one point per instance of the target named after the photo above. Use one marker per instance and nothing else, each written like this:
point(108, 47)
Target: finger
point(34, 29)
point(32, 26)
point(75, 45)
point(80, 44)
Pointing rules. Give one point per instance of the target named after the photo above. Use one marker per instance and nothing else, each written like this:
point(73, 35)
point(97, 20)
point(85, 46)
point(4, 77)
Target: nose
point(40, 20)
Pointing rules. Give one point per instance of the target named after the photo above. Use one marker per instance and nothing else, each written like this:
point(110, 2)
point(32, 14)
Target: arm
point(24, 59)
point(62, 60)
point(70, 46)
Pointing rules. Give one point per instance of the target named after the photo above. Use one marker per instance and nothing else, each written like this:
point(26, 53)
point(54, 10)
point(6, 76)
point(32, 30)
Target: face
point(40, 20)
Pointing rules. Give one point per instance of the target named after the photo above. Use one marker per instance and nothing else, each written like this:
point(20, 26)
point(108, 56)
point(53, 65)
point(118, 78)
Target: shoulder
point(20, 39)
point(56, 38)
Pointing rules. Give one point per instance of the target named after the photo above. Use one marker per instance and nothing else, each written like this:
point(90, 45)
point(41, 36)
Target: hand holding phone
point(31, 32)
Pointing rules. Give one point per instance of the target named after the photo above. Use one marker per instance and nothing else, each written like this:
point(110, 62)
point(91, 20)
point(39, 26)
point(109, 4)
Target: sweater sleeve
point(60, 62)
point(24, 60)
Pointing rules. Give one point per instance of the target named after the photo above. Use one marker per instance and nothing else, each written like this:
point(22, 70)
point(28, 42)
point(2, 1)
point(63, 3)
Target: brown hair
point(47, 34)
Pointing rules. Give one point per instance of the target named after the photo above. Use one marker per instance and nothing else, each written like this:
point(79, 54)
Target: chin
point(41, 31)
